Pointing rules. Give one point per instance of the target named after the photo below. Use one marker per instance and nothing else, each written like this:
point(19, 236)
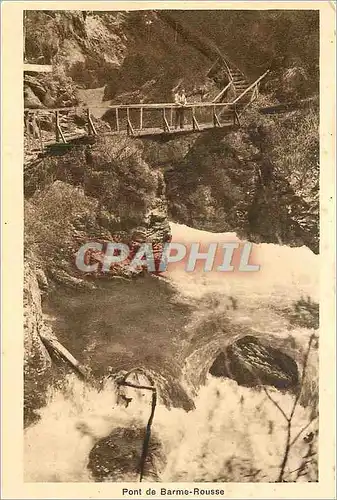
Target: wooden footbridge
point(47, 126)
point(135, 120)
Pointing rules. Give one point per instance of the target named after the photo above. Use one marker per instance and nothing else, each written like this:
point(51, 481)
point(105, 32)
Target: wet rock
point(117, 457)
point(48, 100)
point(37, 87)
point(30, 99)
point(37, 362)
point(33, 322)
point(251, 363)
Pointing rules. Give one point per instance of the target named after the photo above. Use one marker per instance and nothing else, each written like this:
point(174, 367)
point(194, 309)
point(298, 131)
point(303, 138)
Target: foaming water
point(285, 273)
point(233, 304)
point(233, 431)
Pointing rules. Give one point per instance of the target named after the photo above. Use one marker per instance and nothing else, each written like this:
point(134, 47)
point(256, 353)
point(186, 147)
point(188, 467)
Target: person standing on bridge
point(180, 100)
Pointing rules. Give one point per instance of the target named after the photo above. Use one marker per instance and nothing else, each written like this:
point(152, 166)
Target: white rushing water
point(234, 433)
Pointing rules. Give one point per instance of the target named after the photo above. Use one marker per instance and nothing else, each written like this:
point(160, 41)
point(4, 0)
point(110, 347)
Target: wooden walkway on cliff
point(143, 119)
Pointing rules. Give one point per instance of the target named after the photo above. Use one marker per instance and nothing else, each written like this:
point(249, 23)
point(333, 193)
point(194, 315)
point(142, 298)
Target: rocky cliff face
point(34, 323)
point(142, 55)
point(260, 181)
point(82, 47)
point(133, 54)
point(103, 192)
point(99, 193)
point(37, 362)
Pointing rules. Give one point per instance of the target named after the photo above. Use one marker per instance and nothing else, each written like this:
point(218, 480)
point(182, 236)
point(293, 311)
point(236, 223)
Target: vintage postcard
point(168, 193)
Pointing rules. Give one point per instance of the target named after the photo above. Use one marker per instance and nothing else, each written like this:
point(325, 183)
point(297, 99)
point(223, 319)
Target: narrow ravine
point(200, 319)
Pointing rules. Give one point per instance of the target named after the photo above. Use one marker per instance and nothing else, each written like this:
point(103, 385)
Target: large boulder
point(118, 456)
point(30, 99)
point(251, 363)
point(295, 81)
point(36, 86)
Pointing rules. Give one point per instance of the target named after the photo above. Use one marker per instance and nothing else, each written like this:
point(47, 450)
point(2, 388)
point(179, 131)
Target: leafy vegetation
point(261, 181)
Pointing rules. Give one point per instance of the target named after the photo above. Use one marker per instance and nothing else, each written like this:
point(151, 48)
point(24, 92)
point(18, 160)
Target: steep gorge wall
point(132, 54)
point(103, 192)
point(37, 362)
point(261, 180)
point(141, 55)
point(247, 180)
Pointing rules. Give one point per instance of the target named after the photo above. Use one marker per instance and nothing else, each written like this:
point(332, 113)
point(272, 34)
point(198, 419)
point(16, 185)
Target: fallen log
point(57, 351)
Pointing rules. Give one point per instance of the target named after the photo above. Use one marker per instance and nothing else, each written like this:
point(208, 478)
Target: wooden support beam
point(216, 121)
point(166, 126)
point(141, 119)
point(58, 130)
point(117, 120)
point(171, 117)
point(129, 127)
point(195, 124)
point(222, 92)
point(27, 124)
point(251, 86)
point(236, 117)
point(57, 125)
point(40, 134)
point(37, 68)
point(91, 126)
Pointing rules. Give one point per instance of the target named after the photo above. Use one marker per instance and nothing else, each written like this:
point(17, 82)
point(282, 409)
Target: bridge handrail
point(169, 105)
point(220, 94)
point(166, 105)
point(251, 86)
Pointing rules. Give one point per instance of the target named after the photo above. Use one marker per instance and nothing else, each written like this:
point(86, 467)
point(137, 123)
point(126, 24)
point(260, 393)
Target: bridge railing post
point(166, 126)
point(58, 130)
point(236, 116)
point(40, 134)
point(216, 122)
point(129, 127)
point(195, 124)
point(141, 119)
point(127, 121)
point(91, 126)
point(57, 125)
point(27, 124)
point(117, 120)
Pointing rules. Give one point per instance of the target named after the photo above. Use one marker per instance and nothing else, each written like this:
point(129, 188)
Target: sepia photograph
point(171, 248)
point(171, 183)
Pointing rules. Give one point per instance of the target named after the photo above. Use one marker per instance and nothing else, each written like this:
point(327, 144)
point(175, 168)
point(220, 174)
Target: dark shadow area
point(252, 363)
